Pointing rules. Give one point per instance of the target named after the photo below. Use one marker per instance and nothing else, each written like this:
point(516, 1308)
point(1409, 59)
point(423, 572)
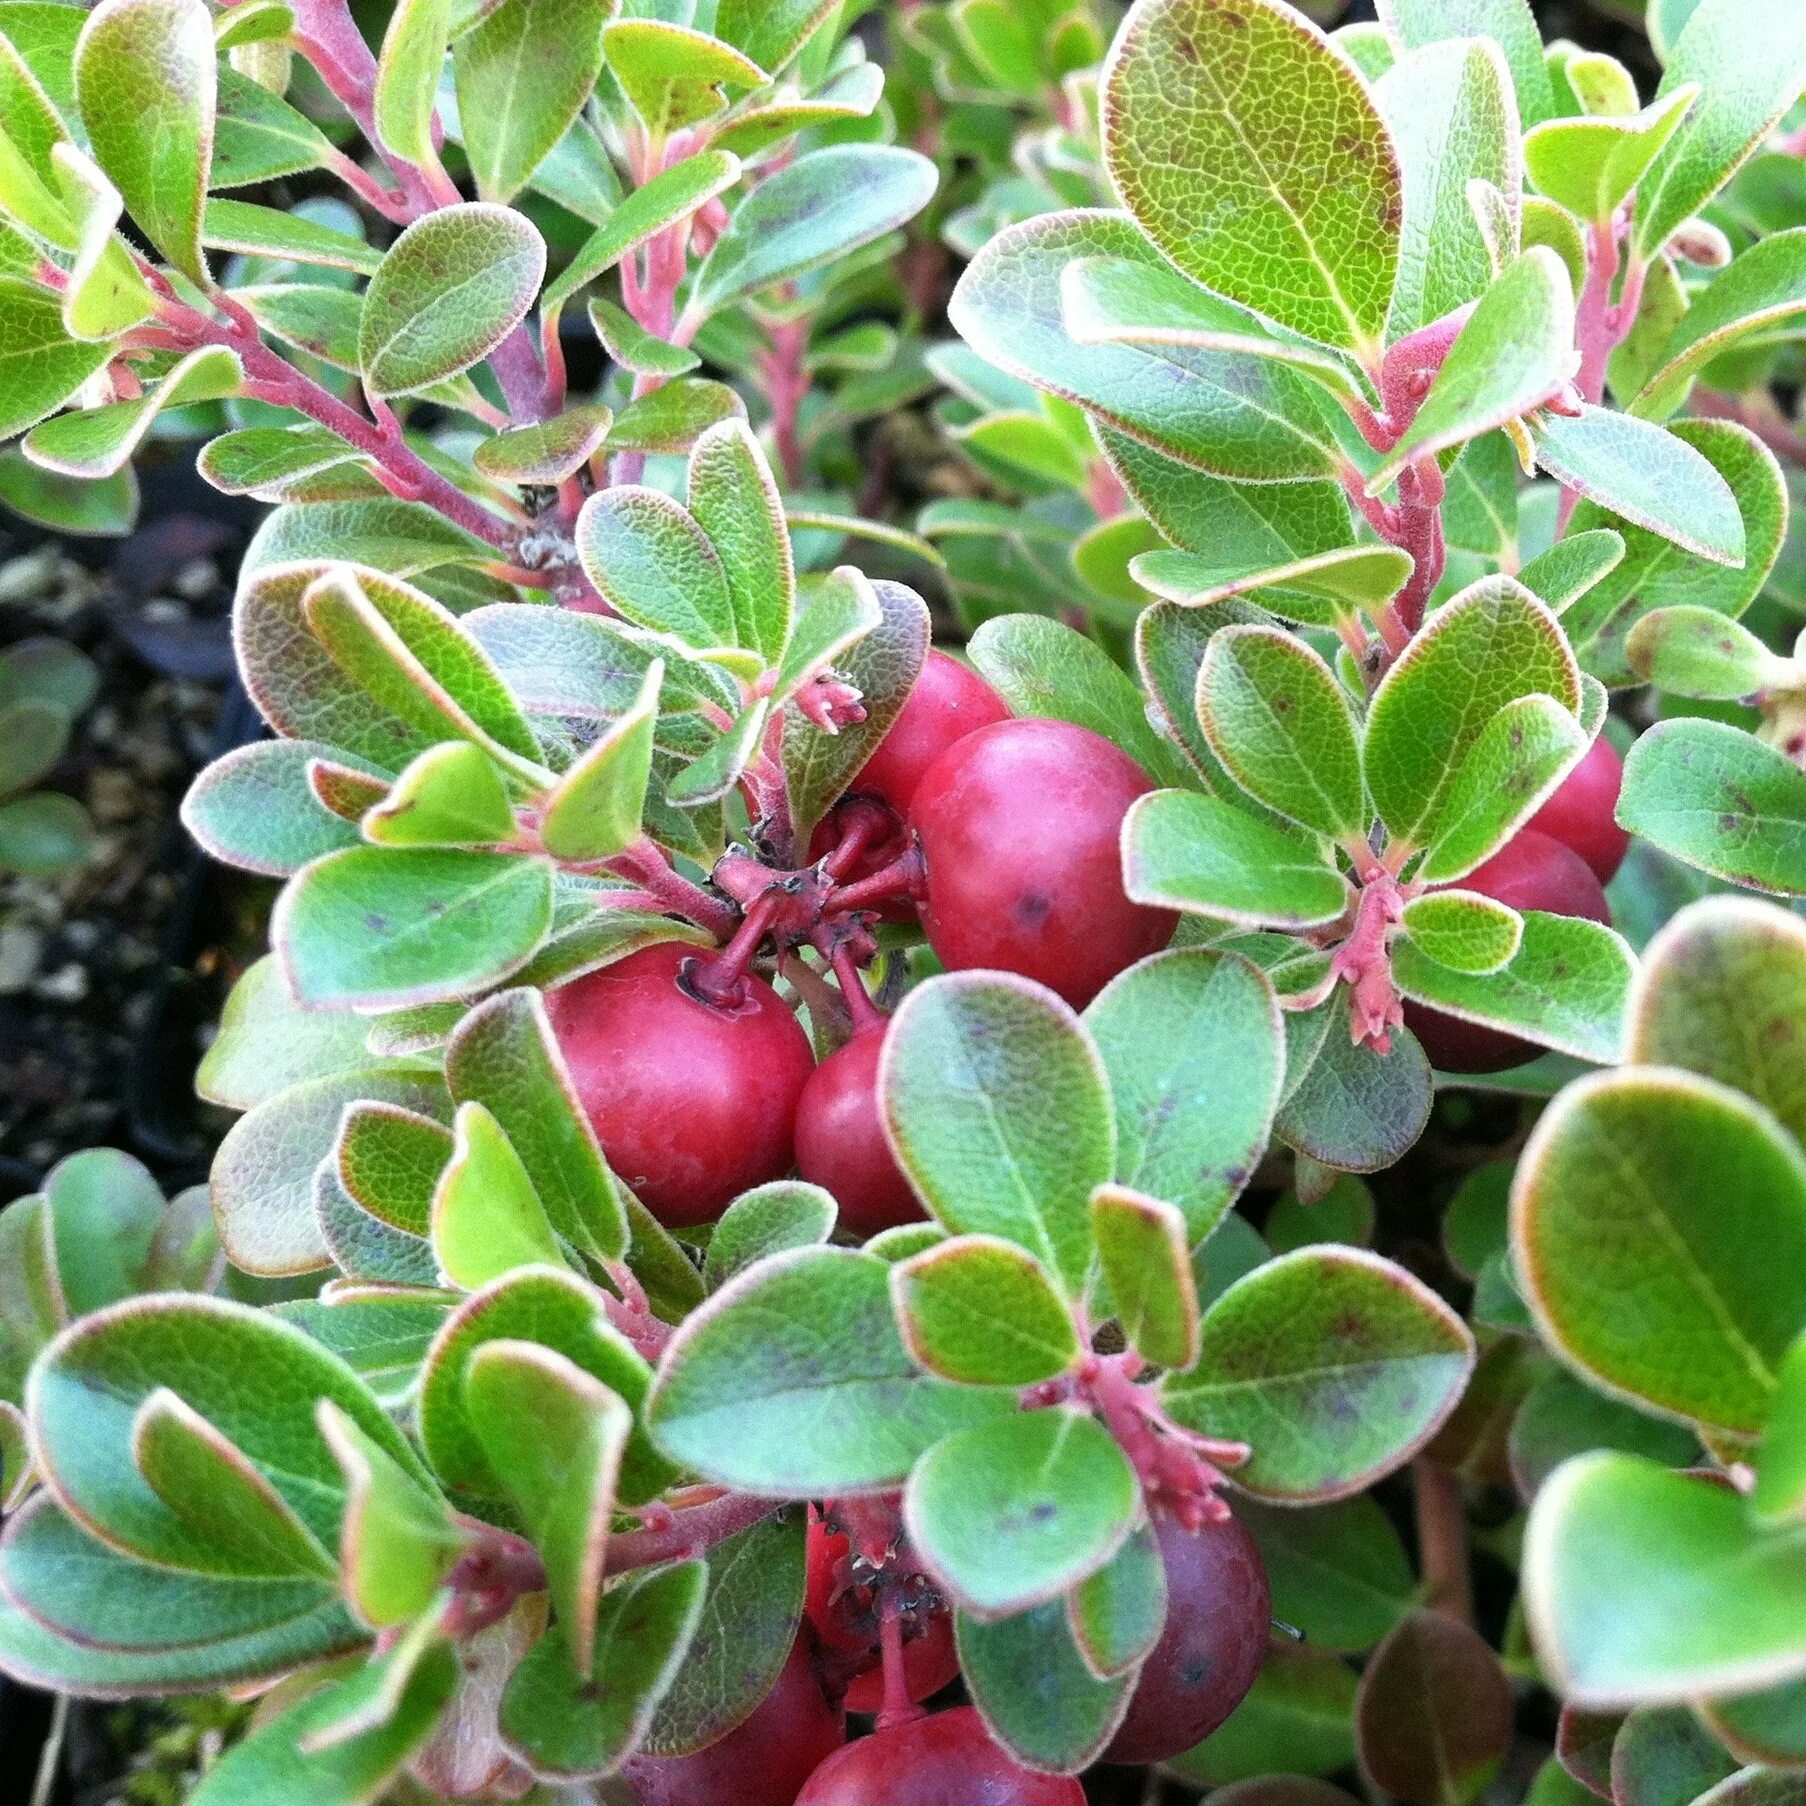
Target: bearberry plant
point(745, 1111)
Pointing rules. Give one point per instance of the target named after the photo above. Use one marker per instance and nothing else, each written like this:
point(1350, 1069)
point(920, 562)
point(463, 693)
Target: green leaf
point(756, 1583)
point(671, 195)
point(1657, 572)
point(674, 416)
point(1194, 1047)
point(1509, 23)
point(41, 367)
point(651, 560)
point(769, 1219)
point(1036, 1692)
point(1760, 297)
point(842, 610)
point(674, 76)
point(257, 809)
point(1515, 353)
point(1721, 800)
point(1338, 1573)
point(1115, 301)
point(793, 1380)
point(1563, 1416)
point(264, 461)
point(595, 810)
point(711, 777)
point(1780, 1494)
point(883, 667)
point(107, 509)
point(399, 1539)
point(1142, 1247)
point(1518, 761)
point(522, 77)
point(631, 346)
point(1572, 566)
point(1334, 1366)
point(1354, 1109)
point(569, 1728)
point(1493, 644)
point(552, 1307)
point(259, 137)
point(1722, 993)
point(1047, 670)
point(1761, 1727)
point(1291, 196)
point(1749, 57)
point(1453, 119)
point(1651, 477)
point(1664, 1756)
point(1638, 1204)
point(556, 1436)
point(983, 1311)
point(389, 1161)
point(87, 1390)
point(306, 1752)
point(1322, 589)
point(392, 927)
point(106, 1212)
point(826, 204)
point(397, 538)
point(450, 289)
point(1117, 1615)
point(382, 1337)
point(1434, 1714)
point(145, 75)
point(770, 32)
point(1463, 930)
point(1701, 653)
point(1590, 166)
point(220, 1495)
point(545, 452)
point(487, 1218)
point(451, 796)
point(1566, 986)
point(407, 79)
point(1189, 852)
point(1649, 1587)
point(998, 1108)
point(1230, 415)
point(1014, 1513)
point(734, 499)
point(1280, 722)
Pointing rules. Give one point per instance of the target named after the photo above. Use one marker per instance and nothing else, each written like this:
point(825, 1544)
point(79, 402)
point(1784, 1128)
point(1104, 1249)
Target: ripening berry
point(830, 1606)
point(930, 1661)
point(948, 1759)
point(948, 702)
point(764, 1762)
point(840, 1143)
point(692, 1103)
point(1530, 871)
point(1217, 1616)
point(1020, 824)
point(1582, 813)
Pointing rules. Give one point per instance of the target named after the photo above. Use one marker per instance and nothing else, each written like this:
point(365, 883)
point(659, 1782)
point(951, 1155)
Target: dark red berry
point(949, 1759)
point(692, 1103)
point(764, 1762)
point(1582, 813)
point(1020, 824)
point(1530, 871)
point(828, 1602)
point(1217, 1616)
point(840, 1143)
point(948, 702)
point(930, 1661)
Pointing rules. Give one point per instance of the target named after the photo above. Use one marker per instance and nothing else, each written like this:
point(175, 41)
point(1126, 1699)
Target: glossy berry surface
point(1582, 812)
point(948, 1759)
point(1020, 826)
point(764, 1762)
point(1218, 1612)
point(692, 1103)
point(840, 1143)
point(948, 702)
point(1531, 871)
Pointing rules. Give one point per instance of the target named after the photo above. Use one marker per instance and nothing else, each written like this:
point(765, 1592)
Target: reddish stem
point(864, 1013)
point(786, 383)
point(722, 979)
point(645, 864)
point(898, 1707)
point(689, 1533)
point(903, 877)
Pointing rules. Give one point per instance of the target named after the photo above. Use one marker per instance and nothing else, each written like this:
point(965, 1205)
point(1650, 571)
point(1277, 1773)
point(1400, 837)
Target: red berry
point(692, 1103)
point(1020, 824)
point(930, 1661)
point(1217, 1616)
point(948, 1759)
point(1582, 812)
point(764, 1762)
point(840, 1143)
point(1530, 871)
point(949, 700)
point(830, 1606)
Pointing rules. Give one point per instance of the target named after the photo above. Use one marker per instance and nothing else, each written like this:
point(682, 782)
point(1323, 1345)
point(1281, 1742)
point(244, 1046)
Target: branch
point(688, 1533)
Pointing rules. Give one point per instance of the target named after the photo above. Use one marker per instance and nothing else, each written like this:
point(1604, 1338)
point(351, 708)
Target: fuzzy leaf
point(787, 1213)
point(1141, 1245)
point(983, 1311)
point(487, 1218)
point(1463, 930)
